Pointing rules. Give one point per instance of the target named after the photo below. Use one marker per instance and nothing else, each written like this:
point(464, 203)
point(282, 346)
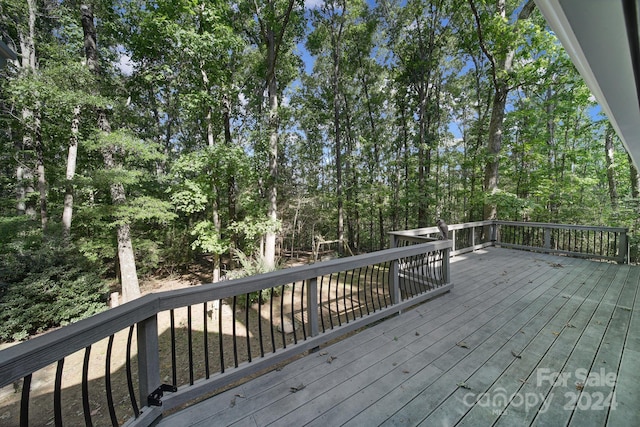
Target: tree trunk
point(609, 150)
point(272, 209)
point(336, 39)
point(494, 145)
point(231, 178)
point(42, 182)
point(126, 258)
point(72, 157)
point(634, 179)
point(30, 119)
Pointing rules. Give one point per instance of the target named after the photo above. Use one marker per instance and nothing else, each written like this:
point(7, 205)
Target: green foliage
point(251, 266)
point(207, 238)
point(45, 287)
point(190, 135)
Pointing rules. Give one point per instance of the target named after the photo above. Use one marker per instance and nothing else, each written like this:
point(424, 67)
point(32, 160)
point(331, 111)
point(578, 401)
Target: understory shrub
point(45, 288)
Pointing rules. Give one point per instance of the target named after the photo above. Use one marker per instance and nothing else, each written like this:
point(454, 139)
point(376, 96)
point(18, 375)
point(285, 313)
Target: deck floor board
point(512, 320)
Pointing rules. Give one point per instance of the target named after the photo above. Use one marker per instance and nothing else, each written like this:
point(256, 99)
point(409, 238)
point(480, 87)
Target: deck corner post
point(393, 241)
point(312, 306)
point(148, 357)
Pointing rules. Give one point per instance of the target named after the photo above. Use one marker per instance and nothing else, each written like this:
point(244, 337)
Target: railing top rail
point(24, 358)
point(563, 226)
point(434, 229)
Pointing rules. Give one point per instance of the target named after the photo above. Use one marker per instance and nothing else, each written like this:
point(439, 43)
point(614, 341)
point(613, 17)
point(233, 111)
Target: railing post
point(547, 238)
point(623, 250)
point(394, 282)
point(148, 358)
point(446, 271)
point(473, 237)
point(312, 306)
point(453, 240)
point(493, 233)
point(393, 241)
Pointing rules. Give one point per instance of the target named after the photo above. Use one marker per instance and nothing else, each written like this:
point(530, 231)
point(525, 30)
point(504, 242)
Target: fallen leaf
point(233, 402)
point(297, 388)
point(323, 353)
point(579, 386)
point(417, 333)
point(404, 371)
point(462, 384)
point(523, 381)
point(516, 354)
point(569, 325)
point(240, 396)
point(462, 344)
point(555, 333)
point(331, 359)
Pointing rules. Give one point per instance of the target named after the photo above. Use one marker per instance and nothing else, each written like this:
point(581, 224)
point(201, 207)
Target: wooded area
point(139, 137)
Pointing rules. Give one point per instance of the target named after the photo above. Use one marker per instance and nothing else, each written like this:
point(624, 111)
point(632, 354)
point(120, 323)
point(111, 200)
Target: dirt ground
point(42, 384)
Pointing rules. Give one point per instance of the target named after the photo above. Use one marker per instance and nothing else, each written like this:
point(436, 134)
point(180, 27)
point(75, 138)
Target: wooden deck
point(513, 323)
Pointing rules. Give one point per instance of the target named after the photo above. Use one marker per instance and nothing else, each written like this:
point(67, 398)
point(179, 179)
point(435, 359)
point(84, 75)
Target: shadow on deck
point(522, 339)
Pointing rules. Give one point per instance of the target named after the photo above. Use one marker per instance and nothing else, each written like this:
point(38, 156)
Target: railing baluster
point(107, 381)
point(321, 303)
point(284, 336)
point(234, 335)
point(24, 401)
point(220, 337)
point(338, 300)
point(132, 396)
point(358, 291)
point(273, 339)
point(85, 382)
point(378, 288)
point(304, 294)
point(353, 311)
point(293, 319)
point(190, 344)
point(260, 326)
point(205, 339)
point(174, 364)
point(369, 283)
point(57, 395)
point(246, 324)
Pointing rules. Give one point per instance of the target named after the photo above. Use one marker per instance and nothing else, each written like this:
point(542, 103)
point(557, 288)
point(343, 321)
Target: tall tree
point(501, 58)
point(275, 34)
point(126, 256)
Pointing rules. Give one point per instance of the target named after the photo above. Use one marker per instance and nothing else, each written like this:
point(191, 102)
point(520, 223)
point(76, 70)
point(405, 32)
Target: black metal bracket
point(154, 398)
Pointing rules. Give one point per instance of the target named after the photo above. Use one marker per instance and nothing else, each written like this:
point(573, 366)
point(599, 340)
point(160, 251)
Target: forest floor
point(43, 382)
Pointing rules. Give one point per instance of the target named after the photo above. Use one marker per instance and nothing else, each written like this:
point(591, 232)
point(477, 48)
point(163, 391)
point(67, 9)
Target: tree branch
point(486, 52)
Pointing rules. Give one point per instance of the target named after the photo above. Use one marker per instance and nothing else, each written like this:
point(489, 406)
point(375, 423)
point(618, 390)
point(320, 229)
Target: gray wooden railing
point(320, 302)
point(594, 242)
point(604, 243)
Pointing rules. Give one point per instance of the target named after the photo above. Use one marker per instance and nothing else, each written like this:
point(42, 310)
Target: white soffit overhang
point(596, 34)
